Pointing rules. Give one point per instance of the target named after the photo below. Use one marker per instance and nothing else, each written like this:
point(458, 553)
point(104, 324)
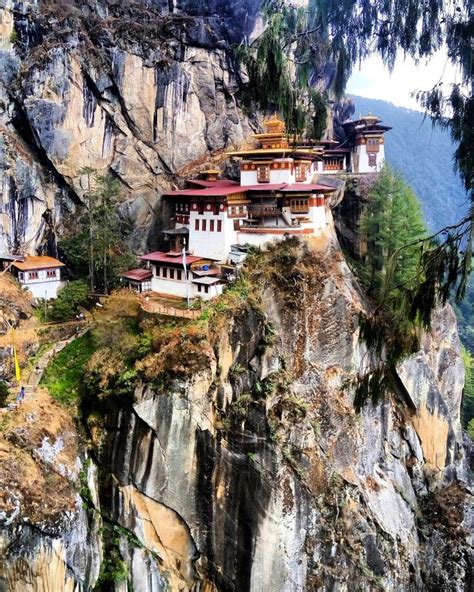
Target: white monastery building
point(186, 276)
point(278, 195)
point(40, 275)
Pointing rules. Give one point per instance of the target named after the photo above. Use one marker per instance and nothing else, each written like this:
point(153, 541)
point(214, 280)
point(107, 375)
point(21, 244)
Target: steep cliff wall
point(230, 457)
point(255, 473)
point(136, 89)
point(244, 467)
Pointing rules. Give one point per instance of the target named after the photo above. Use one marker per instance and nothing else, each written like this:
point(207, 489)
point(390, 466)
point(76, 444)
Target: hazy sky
point(374, 81)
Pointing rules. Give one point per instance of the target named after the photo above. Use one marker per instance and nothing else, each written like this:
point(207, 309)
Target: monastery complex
point(278, 196)
point(214, 221)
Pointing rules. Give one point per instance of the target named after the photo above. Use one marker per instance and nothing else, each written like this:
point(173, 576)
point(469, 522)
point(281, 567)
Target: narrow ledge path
point(36, 374)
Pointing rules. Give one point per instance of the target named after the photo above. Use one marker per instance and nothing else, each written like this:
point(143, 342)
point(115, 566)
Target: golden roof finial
point(274, 124)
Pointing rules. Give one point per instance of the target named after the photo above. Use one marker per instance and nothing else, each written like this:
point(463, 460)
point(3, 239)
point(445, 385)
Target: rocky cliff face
point(139, 89)
point(253, 472)
point(256, 474)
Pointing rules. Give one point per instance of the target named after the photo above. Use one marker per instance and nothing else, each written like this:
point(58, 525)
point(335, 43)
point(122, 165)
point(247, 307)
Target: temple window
point(211, 224)
point(333, 164)
point(219, 225)
point(263, 173)
point(372, 145)
point(196, 224)
point(204, 225)
point(372, 160)
point(301, 172)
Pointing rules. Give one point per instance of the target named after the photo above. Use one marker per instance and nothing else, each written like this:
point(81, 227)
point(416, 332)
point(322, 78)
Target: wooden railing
point(157, 307)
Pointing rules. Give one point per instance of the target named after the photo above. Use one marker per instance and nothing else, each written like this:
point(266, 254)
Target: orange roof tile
point(40, 262)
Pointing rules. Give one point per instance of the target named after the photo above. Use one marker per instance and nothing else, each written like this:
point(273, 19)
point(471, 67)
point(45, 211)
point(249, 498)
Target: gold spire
point(211, 174)
point(370, 117)
point(274, 125)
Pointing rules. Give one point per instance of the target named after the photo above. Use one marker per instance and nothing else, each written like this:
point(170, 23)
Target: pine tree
point(393, 228)
point(467, 408)
point(392, 219)
point(98, 248)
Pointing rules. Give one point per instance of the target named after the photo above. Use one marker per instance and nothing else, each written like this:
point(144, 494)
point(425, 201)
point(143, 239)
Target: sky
point(373, 80)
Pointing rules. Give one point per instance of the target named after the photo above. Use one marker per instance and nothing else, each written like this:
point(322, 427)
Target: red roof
point(286, 188)
point(308, 187)
point(171, 258)
point(265, 187)
point(217, 183)
point(224, 191)
point(138, 275)
point(209, 191)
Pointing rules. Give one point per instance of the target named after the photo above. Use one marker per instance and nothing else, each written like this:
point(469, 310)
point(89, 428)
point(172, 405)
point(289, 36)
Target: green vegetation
point(271, 70)
point(69, 299)
point(97, 248)
point(467, 409)
point(113, 568)
point(392, 273)
point(84, 490)
point(64, 376)
point(4, 392)
point(392, 224)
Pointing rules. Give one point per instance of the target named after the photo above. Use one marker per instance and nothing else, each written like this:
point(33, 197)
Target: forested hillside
point(423, 154)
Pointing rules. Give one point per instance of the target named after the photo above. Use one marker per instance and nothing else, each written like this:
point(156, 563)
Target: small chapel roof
point(217, 183)
point(37, 262)
point(138, 275)
point(172, 258)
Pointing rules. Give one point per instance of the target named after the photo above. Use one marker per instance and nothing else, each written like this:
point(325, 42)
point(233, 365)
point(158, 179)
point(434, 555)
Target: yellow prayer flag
point(15, 358)
point(17, 365)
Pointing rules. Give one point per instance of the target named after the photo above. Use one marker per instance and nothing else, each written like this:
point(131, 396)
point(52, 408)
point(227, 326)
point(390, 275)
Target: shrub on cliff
point(4, 392)
point(72, 296)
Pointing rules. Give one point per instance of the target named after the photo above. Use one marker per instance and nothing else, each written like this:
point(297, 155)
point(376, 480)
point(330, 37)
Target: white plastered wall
point(364, 166)
point(182, 289)
point(318, 217)
point(215, 245)
point(248, 178)
point(258, 240)
point(44, 289)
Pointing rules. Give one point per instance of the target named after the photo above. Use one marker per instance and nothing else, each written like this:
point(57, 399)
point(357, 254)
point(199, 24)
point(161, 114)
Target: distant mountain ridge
point(423, 154)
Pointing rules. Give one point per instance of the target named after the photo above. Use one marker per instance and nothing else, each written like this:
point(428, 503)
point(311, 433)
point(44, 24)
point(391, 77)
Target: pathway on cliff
point(36, 373)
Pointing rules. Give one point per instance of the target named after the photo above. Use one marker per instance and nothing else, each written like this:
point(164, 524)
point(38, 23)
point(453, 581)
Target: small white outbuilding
point(41, 275)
